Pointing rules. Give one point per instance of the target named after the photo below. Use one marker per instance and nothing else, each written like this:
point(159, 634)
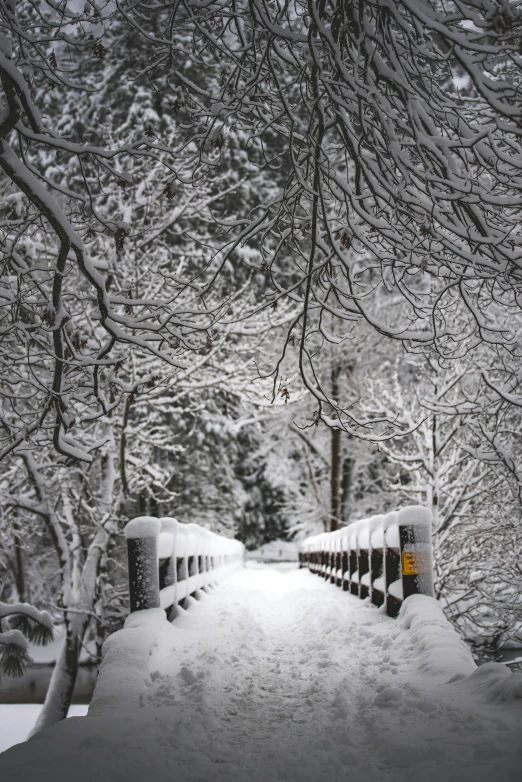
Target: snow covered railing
point(170, 561)
point(386, 558)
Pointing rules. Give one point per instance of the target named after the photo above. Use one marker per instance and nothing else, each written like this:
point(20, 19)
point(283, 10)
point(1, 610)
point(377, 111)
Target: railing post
point(168, 568)
point(345, 567)
point(416, 551)
point(376, 554)
point(142, 550)
point(391, 563)
point(353, 557)
point(363, 556)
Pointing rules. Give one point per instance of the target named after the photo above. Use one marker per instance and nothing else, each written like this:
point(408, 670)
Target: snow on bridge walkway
point(280, 676)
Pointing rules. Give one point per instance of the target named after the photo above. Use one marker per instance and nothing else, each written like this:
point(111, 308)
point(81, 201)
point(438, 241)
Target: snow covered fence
point(169, 561)
point(387, 558)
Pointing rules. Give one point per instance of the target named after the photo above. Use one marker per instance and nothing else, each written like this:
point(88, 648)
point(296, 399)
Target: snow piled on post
point(142, 527)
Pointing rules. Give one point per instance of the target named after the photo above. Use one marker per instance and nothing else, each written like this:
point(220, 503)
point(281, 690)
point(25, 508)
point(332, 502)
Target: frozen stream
point(279, 676)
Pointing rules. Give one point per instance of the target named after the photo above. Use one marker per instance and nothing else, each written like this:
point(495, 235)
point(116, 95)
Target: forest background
point(260, 270)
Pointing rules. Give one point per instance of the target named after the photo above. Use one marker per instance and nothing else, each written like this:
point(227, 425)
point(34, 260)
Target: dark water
point(32, 686)
point(507, 656)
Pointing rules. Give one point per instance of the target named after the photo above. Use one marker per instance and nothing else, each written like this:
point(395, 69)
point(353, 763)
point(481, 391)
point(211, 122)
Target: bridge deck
point(279, 676)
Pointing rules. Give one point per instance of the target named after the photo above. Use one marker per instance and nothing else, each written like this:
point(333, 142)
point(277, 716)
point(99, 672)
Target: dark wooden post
point(392, 562)
point(168, 568)
point(392, 573)
point(327, 560)
point(354, 564)
point(409, 557)
point(416, 552)
point(364, 566)
point(345, 567)
point(142, 548)
point(377, 586)
point(376, 571)
point(166, 572)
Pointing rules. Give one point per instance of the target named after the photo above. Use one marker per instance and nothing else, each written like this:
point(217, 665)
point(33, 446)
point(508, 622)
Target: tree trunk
point(435, 474)
point(19, 570)
point(346, 487)
point(335, 476)
point(335, 457)
point(60, 690)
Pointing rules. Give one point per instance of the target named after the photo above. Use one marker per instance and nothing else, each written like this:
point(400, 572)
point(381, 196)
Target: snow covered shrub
point(19, 624)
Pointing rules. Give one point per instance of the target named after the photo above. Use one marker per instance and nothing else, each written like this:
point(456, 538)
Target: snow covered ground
point(18, 719)
point(275, 551)
point(279, 676)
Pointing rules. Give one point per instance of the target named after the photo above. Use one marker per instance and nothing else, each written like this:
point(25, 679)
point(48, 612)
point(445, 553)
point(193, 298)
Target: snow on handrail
point(386, 558)
point(170, 561)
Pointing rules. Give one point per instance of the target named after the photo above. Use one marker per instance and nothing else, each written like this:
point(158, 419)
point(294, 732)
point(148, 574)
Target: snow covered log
point(386, 558)
point(170, 561)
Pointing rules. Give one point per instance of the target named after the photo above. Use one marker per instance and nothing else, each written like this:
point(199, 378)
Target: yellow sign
point(415, 563)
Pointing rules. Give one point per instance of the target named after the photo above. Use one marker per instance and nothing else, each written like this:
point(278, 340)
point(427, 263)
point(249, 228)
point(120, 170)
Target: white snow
point(365, 579)
point(165, 545)
point(380, 584)
point(275, 551)
point(395, 589)
point(392, 537)
point(377, 538)
point(43, 617)
point(142, 527)
point(414, 515)
point(364, 539)
point(281, 676)
point(14, 637)
point(17, 719)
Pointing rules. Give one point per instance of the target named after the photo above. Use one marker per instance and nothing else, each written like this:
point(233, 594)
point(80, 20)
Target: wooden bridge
point(256, 674)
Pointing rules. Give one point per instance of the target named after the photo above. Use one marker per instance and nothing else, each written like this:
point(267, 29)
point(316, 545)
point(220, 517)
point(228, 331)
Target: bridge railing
point(386, 558)
point(170, 561)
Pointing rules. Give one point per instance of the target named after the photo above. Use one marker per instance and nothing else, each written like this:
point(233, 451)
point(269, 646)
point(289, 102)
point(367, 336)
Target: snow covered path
point(279, 676)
